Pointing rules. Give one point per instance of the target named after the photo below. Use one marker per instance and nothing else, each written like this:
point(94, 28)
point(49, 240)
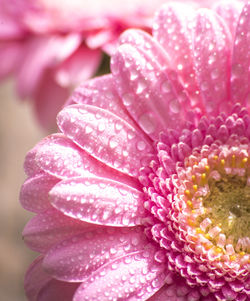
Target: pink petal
point(11, 28)
point(81, 65)
point(102, 38)
point(229, 11)
point(99, 201)
point(101, 92)
point(212, 50)
point(176, 290)
point(76, 259)
point(10, 55)
point(56, 155)
point(51, 227)
point(172, 30)
point(132, 277)
point(240, 77)
point(105, 136)
point(35, 279)
point(151, 93)
point(137, 37)
point(42, 53)
point(34, 192)
point(60, 157)
point(57, 290)
point(49, 98)
point(31, 165)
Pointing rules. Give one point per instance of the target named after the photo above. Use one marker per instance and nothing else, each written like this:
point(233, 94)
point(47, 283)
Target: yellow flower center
point(214, 196)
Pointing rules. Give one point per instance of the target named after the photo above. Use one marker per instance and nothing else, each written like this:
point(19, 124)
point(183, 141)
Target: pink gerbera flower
point(144, 195)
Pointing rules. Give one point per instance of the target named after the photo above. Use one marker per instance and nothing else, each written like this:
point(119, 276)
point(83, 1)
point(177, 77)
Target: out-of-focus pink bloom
point(144, 195)
point(42, 63)
point(51, 46)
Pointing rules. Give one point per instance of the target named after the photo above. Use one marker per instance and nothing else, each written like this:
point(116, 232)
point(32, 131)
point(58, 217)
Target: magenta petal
point(173, 32)
point(240, 77)
point(99, 201)
point(101, 92)
point(151, 93)
point(34, 192)
point(81, 65)
point(211, 43)
point(57, 290)
point(132, 277)
point(77, 258)
point(35, 279)
point(105, 136)
point(49, 228)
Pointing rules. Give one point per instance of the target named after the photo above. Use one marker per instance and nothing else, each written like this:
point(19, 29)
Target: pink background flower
point(120, 193)
point(51, 46)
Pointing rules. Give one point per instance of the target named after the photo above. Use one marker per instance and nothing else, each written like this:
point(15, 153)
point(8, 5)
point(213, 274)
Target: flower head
point(144, 195)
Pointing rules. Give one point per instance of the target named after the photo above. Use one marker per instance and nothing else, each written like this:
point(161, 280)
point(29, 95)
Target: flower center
point(216, 187)
point(228, 205)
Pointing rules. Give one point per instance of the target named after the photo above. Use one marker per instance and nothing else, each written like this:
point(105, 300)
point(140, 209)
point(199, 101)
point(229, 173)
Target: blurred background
point(19, 132)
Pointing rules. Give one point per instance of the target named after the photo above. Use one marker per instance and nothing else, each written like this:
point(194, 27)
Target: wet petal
point(99, 201)
point(151, 93)
point(229, 11)
point(105, 136)
point(212, 50)
point(49, 228)
point(240, 77)
point(34, 192)
point(172, 30)
point(62, 158)
point(75, 259)
point(101, 92)
point(140, 278)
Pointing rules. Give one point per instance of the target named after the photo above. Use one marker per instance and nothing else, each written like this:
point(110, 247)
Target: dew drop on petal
point(128, 99)
point(147, 124)
point(174, 106)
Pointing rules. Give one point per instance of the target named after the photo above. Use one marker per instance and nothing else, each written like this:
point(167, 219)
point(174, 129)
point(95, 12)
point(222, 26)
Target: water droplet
point(101, 127)
point(113, 142)
point(166, 87)
point(180, 67)
point(204, 86)
point(211, 59)
point(141, 86)
point(128, 99)
point(174, 106)
point(147, 124)
point(118, 125)
point(88, 129)
point(141, 145)
point(215, 74)
point(133, 75)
